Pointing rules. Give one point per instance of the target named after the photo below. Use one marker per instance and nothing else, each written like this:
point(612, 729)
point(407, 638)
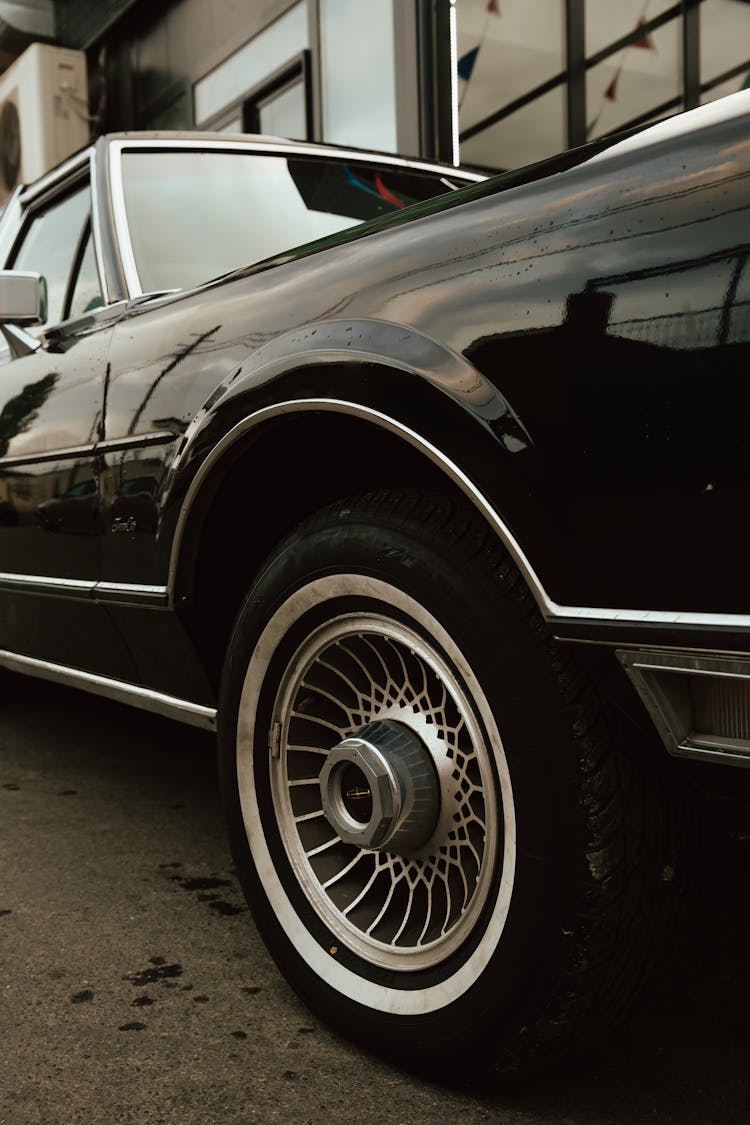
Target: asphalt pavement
point(135, 990)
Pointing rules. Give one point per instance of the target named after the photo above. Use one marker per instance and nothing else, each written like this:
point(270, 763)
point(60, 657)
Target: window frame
point(297, 70)
point(133, 287)
point(76, 173)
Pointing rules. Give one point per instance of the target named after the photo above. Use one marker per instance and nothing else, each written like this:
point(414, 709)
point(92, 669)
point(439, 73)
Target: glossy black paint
point(574, 341)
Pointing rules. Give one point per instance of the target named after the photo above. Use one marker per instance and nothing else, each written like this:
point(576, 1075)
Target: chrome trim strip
point(119, 215)
point(547, 606)
point(158, 437)
point(116, 148)
point(128, 592)
point(195, 714)
point(638, 646)
point(649, 616)
point(254, 143)
point(66, 454)
point(63, 171)
point(96, 231)
point(79, 585)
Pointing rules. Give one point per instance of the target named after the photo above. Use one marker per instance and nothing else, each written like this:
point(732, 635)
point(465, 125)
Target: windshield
point(194, 215)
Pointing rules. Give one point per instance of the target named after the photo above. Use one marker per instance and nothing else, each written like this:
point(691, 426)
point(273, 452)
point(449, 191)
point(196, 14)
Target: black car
point(428, 491)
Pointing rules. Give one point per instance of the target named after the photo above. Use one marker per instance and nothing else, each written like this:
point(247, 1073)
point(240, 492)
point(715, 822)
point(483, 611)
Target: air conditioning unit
point(43, 113)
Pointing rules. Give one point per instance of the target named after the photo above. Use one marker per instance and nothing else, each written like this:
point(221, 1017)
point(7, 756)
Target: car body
point(373, 454)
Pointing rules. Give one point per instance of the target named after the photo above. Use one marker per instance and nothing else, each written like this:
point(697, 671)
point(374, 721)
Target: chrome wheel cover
point(399, 913)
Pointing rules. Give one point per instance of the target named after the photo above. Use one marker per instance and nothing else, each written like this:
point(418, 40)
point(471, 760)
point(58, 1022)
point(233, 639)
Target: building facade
point(494, 84)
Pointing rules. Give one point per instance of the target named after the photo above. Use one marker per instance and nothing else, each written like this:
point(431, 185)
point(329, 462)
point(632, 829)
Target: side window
point(86, 294)
point(50, 246)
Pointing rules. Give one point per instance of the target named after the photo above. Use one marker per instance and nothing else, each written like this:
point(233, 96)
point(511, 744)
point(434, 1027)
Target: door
point(51, 417)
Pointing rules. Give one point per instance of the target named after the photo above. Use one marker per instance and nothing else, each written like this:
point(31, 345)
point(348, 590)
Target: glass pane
point(86, 295)
point(531, 133)
point(259, 206)
point(637, 79)
point(505, 48)
point(246, 68)
point(725, 41)
point(358, 74)
point(50, 244)
point(283, 114)
point(610, 20)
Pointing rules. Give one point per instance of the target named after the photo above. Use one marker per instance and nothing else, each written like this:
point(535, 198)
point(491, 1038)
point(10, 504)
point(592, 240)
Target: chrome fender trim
point(385, 422)
point(550, 609)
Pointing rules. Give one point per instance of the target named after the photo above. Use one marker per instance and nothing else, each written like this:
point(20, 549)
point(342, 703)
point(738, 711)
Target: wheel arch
point(343, 447)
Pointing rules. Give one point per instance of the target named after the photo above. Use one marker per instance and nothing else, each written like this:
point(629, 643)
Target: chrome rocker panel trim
point(194, 714)
point(83, 588)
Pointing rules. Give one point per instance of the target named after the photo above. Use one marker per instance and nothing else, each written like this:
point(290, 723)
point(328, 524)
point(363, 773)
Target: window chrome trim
point(195, 714)
point(58, 177)
point(96, 232)
point(549, 608)
point(251, 145)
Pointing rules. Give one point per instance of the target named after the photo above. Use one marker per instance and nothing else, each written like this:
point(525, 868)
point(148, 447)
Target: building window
point(281, 106)
point(536, 76)
point(633, 63)
point(510, 80)
point(724, 47)
point(220, 95)
point(358, 81)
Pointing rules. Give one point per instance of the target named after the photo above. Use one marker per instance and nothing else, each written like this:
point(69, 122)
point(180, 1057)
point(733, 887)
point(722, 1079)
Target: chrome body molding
point(130, 593)
point(83, 588)
point(37, 583)
point(70, 452)
point(116, 445)
point(552, 610)
point(195, 714)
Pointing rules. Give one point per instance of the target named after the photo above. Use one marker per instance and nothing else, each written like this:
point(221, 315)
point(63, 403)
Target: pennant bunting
point(611, 92)
point(644, 40)
point(465, 64)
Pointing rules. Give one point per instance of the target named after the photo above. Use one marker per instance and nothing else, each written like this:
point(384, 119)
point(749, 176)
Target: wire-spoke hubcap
point(383, 790)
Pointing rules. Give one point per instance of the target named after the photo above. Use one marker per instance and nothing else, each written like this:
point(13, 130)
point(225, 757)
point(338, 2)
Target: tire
point(496, 902)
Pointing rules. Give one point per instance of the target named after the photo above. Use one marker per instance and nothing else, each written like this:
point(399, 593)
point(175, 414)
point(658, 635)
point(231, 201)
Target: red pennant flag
point(644, 41)
point(493, 7)
point(611, 92)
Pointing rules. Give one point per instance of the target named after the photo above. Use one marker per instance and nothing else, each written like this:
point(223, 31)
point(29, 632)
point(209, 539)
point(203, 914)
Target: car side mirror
point(23, 298)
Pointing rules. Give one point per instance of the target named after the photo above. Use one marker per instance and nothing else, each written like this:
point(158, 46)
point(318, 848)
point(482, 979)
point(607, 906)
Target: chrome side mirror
point(23, 298)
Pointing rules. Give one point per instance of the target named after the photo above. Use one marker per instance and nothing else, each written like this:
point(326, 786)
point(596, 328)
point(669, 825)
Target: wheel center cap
point(380, 790)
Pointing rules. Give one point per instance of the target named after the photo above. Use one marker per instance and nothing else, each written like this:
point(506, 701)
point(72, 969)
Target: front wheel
point(447, 850)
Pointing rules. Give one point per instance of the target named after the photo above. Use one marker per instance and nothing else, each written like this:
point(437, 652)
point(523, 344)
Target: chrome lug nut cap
point(379, 789)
